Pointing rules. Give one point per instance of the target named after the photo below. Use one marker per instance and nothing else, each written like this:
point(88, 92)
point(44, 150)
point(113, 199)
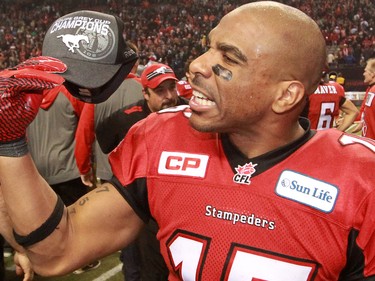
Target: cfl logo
point(244, 179)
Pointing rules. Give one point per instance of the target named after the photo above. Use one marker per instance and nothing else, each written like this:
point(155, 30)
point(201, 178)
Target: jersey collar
point(269, 159)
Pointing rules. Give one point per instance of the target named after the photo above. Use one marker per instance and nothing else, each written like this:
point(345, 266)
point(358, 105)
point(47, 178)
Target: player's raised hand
point(20, 97)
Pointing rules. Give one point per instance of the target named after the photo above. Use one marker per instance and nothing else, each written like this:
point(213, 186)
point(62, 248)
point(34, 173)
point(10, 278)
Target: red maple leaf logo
point(247, 169)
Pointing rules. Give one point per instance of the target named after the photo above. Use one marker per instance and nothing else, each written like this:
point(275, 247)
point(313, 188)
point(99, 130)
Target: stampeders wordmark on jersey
point(306, 190)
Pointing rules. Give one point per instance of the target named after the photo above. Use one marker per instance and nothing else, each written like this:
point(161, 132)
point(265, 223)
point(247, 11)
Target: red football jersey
point(287, 215)
point(368, 114)
point(324, 105)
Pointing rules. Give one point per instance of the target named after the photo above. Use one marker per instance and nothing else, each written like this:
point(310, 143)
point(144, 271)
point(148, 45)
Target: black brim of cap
point(102, 93)
point(89, 75)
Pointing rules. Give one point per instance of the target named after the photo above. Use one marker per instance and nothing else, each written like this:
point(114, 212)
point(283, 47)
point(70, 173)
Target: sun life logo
point(244, 173)
point(285, 182)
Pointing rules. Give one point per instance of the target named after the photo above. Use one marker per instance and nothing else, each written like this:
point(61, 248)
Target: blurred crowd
point(174, 32)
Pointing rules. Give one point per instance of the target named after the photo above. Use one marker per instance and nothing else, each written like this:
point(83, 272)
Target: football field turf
point(109, 270)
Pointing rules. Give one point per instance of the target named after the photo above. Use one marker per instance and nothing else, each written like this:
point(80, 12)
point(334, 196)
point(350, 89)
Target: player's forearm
point(30, 202)
point(6, 231)
point(357, 127)
point(28, 197)
point(347, 121)
point(24, 266)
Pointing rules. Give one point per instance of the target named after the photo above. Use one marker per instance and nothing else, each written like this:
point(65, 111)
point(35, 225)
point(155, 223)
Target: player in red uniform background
point(234, 181)
point(367, 111)
point(325, 105)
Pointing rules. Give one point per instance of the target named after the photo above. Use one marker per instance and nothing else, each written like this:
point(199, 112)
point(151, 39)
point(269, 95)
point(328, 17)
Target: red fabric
point(207, 218)
point(360, 115)
point(184, 89)
point(85, 137)
point(85, 128)
point(134, 76)
point(325, 105)
point(368, 113)
point(21, 95)
point(18, 111)
point(133, 109)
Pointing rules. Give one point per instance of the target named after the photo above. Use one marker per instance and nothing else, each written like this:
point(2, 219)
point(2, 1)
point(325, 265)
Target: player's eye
point(229, 59)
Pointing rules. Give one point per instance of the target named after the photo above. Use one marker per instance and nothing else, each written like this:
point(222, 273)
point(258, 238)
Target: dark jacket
point(111, 130)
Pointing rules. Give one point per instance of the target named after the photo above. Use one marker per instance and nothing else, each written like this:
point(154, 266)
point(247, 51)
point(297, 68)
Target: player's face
point(369, 76)
point(232, 81)
point(163, 96)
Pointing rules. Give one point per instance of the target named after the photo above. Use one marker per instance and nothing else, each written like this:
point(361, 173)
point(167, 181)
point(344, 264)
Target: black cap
point(92, 45)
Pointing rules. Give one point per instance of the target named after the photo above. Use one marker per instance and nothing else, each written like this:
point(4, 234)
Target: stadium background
point(109, 270)
point(174, 32)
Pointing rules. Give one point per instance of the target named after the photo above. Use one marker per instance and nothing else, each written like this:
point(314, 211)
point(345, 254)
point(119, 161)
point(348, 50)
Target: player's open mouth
point(201, 99)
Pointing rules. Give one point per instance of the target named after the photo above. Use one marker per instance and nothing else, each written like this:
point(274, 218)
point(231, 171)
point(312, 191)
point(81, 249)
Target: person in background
point(183, 86)
point(332, 76)
point(142, 260)
point(366, 123)
point(184, 89)
point(233, 180)
point(159, 92)
point(340, 79)
point(327, 104)
point(129, 92)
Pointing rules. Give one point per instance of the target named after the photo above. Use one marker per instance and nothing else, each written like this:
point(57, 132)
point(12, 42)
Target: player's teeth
point(199, 95)
point(202, 99)
point(206, 102)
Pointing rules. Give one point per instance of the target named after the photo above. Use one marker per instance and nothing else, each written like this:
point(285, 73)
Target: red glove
point(44, 63)
point(19, 103)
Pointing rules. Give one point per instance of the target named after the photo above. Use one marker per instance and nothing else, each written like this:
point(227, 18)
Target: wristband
point(16, 148)
point(45, 229)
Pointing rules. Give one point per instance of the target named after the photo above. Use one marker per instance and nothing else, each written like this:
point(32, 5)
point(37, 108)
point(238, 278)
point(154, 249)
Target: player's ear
point(290, 95)
point(146, 94)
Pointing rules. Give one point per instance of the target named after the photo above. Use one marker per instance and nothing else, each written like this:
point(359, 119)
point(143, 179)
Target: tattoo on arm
point(83, 201)
point(102, 189)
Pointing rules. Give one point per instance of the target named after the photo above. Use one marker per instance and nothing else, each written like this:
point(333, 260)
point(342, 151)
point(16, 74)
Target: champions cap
point(155, 74)
point(92, 45)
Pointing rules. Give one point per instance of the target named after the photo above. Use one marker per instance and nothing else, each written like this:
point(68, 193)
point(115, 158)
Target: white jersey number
point(325, 118)
point(188, 251)
point(348, 139)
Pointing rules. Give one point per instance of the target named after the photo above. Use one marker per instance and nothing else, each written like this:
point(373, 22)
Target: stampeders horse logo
point(72, 41)
point(159, 71)
point(94, 39)
point(244, 173)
